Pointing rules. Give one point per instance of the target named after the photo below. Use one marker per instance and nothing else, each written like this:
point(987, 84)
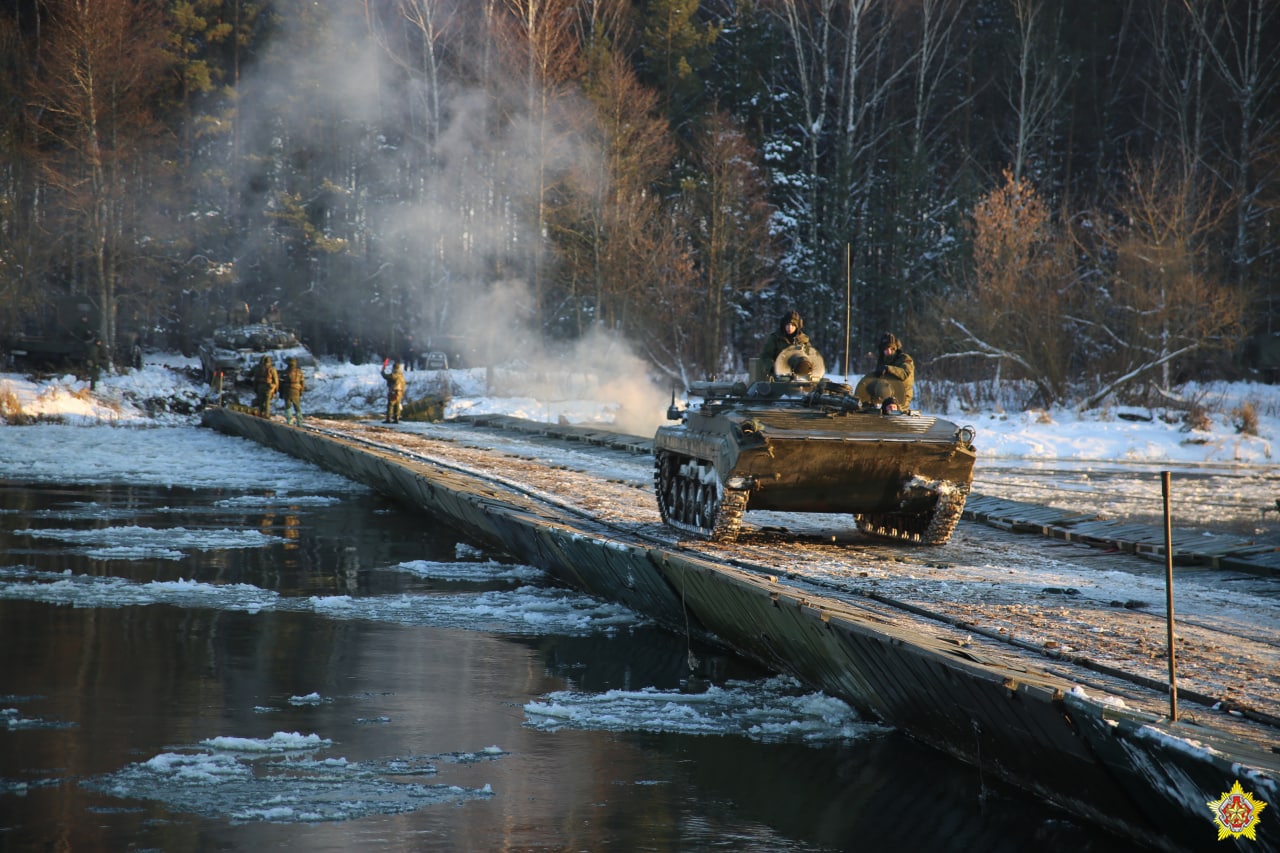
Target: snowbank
point(165, 392)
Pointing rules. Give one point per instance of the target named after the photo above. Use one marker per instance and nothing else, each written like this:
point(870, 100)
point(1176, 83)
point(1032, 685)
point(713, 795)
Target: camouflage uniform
point(292, 384)
point(96, 359)
point(893, 363)
point(265, 383)
point(780, 340)
point(395, 392)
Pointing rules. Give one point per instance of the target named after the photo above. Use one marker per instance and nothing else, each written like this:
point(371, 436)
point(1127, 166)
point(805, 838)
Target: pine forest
point(1078, 195)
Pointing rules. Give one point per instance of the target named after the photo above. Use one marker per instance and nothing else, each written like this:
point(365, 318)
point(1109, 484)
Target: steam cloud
point(336, 83)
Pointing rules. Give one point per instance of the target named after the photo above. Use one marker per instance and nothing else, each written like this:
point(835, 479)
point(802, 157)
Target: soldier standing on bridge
point(395, 390)
point(265, 383)
point(292, 384)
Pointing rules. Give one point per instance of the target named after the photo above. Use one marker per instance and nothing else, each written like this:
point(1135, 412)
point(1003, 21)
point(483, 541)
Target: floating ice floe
point(775, 709)
point(247, 780)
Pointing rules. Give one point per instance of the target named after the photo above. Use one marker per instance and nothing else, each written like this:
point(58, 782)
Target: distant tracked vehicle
point(59, 339)
point(801, 443)
point(234, 351)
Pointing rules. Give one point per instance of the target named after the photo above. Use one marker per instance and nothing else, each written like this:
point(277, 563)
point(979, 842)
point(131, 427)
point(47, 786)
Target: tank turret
point(798, 442)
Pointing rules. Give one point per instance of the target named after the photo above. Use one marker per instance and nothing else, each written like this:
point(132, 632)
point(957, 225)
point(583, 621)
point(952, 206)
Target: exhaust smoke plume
point(447, 207)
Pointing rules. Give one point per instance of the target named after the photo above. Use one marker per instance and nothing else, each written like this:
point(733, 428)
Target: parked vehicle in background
point(435, 360)
point(460, 351)
point(1262, 356)
point(234, 350)
point(63, 339)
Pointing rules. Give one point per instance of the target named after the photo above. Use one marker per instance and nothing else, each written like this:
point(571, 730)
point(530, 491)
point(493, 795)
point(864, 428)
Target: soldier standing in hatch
point(292, 384)
point(265, 384)
point(788, 334)
point(395, 390)
point(893, 363)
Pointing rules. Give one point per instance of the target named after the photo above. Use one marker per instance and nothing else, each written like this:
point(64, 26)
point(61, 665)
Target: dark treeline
point(1078, 193)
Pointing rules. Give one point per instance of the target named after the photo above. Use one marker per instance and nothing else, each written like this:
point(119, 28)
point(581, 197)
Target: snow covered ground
point(139, 428)
point(164, 393)
point(1110, 458)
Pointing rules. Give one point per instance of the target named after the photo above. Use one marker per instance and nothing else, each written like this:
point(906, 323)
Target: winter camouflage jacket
point(265, 378)
point(902, 367)
point(395, 383)
point(292, 384)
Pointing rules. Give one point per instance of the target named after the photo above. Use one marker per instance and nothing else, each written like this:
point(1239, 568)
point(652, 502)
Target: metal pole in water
point(1168, 594)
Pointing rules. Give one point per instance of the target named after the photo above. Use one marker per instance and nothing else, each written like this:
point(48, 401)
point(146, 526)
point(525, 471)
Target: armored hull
point(234, 351)
point(802, 446)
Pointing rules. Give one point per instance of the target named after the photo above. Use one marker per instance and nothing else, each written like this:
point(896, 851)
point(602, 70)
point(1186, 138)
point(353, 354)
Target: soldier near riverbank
point(395, 390)
point(96, 357)
point(292, 384)
point(266, 381)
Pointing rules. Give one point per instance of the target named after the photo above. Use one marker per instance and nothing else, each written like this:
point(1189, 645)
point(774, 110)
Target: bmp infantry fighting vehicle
point(798, 442)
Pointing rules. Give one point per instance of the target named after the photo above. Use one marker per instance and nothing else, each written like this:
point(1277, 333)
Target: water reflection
point(150, 722)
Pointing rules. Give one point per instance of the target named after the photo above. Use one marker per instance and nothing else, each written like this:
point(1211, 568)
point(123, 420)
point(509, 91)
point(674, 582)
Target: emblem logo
point(1236, 814)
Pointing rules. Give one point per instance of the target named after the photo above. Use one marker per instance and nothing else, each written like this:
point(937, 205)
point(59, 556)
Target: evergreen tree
point(677, 48)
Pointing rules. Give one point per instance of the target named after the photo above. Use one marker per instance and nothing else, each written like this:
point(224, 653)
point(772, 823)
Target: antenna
point(848, 303)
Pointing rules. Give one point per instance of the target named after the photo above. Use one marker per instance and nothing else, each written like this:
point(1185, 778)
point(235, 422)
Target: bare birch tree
point(547, 40)
point(727, 212)
point(1238, 36)
point(1167, 298)
point(841, 73)
point(23, 255)
point(94, 91)
point(428, 24)
point(1018, 306)
point(1040, 80)
point(619, 210)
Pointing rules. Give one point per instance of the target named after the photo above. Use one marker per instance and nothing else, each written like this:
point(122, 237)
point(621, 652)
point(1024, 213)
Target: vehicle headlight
point(966, 435)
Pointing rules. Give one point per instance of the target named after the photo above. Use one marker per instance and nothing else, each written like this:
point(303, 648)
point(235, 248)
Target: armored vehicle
point(64, 338)
point(798, 442)
point(233, 351)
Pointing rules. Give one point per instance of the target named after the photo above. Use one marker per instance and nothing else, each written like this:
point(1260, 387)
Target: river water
point(255, 666)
